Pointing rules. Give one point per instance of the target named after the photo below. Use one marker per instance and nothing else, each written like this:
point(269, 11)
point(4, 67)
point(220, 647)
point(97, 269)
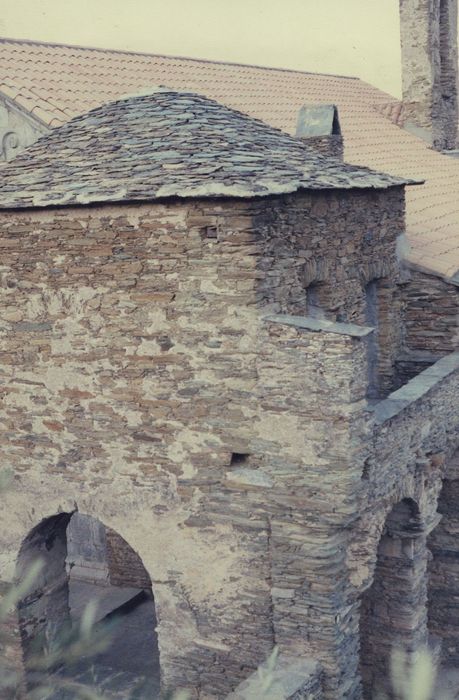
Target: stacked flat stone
point(170, 144)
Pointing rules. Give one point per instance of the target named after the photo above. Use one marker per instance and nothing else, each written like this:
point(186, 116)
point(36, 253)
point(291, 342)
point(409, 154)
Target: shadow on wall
point(87, 563)
point(393, 610)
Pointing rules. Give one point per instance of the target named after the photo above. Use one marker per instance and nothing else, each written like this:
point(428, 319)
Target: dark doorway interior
point(86, 564)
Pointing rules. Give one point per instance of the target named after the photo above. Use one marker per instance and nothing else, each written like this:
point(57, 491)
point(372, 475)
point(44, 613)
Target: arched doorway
point(86, 563)
point(393, 610)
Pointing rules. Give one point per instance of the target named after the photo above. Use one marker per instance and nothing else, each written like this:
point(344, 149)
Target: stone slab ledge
point(308, 323)
point(415, 389)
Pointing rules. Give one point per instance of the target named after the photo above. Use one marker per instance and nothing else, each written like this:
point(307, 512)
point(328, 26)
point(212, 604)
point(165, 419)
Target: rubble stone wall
point(429, 62)
point(336, 244)
point(329, 145)
point(444, 567)
point(125, 568)
point(415, 433)
point(309, 528)
point(144, 381)
point(128, 351)
point(430, 320)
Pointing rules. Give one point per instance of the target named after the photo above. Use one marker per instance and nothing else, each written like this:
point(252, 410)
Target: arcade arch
point(85, 562)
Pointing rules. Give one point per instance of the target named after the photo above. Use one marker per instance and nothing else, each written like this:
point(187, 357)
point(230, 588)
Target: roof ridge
point(4, 40)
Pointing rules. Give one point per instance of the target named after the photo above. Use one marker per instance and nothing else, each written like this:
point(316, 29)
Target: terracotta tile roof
point(63, 81)
point(170, 144)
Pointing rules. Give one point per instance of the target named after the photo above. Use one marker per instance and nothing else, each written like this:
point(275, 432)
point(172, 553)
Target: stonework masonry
point(443, 614)
point(132, 360)
point(124, 568)
point(430, 73)
point(430, 321)
point(160, 374)
point(414, 439)
point(332, 145)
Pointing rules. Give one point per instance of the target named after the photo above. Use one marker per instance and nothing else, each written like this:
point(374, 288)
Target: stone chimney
point(318, 126)
point(429, 70)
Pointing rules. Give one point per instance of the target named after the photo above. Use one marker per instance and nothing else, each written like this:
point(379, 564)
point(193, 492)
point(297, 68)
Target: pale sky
point(347, 37)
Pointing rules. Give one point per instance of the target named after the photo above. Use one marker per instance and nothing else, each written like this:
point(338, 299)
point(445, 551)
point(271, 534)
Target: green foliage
point(266, 674)
point(16, 593)
point(415, 682)
point(414, 679)
point(411, 680)
point(70, 649)
point(6, 477)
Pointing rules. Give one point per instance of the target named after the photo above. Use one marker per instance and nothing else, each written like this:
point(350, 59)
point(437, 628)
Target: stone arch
point(83, 561)
point(443, 586)
point(393, 610)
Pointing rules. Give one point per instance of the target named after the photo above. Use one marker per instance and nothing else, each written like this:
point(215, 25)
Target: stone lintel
point(415, 389)
point(308, 323)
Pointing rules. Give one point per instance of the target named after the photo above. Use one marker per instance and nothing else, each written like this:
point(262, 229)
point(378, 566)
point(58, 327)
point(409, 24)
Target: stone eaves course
point(170, 144)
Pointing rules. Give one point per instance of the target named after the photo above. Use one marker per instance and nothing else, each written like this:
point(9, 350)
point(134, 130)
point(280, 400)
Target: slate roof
point(169, 144)
point(56, 82)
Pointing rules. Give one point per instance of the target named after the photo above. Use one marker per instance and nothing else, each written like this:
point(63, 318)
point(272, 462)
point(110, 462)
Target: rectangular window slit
point(238, 459)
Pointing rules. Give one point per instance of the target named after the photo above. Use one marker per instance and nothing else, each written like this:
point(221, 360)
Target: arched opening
point(393, 610)
point(443, 586)
point(85, 563)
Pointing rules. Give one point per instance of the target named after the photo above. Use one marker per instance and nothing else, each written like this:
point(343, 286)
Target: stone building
point(48, 84)
point(229, 365)
point(202, 327)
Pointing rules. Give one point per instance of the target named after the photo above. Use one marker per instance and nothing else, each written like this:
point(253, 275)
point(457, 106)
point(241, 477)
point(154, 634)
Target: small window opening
point(238, 459)
point(366, 470)
point(210, 232)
